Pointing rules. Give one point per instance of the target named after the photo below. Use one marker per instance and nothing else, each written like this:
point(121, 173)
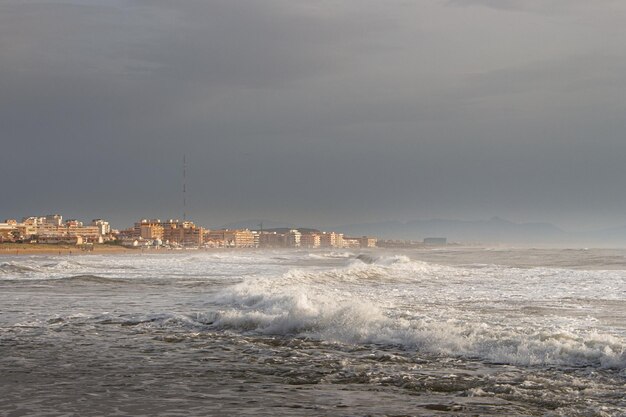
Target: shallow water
point(424, 332)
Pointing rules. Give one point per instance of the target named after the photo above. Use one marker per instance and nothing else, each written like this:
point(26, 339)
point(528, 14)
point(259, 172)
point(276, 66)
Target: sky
point(315, 112)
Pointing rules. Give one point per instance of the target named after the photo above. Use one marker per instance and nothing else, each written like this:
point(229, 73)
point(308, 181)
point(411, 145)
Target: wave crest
point(306, 304)
point(91, 279)
point(7, 268)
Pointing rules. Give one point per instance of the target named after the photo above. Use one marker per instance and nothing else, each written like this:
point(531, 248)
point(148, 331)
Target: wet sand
point(61, 249)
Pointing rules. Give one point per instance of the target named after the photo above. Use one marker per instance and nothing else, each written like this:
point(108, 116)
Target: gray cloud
point(318, 112)
point(539, 6)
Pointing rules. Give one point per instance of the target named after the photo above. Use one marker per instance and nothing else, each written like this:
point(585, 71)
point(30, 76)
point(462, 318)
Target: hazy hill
point(253, 224)
point(493, 230)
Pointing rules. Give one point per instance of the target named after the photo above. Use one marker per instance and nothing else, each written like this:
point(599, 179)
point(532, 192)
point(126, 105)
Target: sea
point(448, 331)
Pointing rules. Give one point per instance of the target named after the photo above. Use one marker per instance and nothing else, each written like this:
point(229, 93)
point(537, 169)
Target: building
point(331, 240)
point(351, 242)
point(103, 226)
point(53, 219)
point(215, 238)
point(182, 233)
point(127, 234)
point(89, 234)
point(368, 242)
point(51, 229)
point(8, 231)
point(239, 239)
point(435, 241)
point(230, 238)
point(149, 229)
point(310, 240)
point(293, 238)
point(272, 240)
point(26, 230)
point(56, 239)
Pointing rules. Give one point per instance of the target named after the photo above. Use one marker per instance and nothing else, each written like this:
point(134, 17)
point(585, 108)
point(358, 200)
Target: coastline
point(20, 249)
point(60, 249)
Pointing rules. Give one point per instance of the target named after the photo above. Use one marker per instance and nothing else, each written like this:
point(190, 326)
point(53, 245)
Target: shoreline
point(60, 249)
point(26, 249)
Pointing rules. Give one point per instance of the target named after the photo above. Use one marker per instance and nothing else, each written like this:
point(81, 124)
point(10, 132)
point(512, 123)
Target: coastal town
point(169, 234)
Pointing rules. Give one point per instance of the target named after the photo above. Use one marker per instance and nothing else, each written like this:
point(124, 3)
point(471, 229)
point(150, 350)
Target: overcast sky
point(315, 112)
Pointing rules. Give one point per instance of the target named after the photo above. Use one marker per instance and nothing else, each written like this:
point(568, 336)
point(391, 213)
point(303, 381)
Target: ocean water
point(450, 331)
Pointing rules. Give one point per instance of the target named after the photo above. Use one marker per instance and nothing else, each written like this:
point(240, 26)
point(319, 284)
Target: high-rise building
point(54, 219)
point(230, 238)
point(293, 238)
point(103, 226)
point(331, 240)
point(149, 229)
point(310, 240)
point(351, 242)
point(272, 240)
point(368, 242)
point(183, 233)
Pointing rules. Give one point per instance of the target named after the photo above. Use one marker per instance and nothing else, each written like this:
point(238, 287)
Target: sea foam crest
point(10, 268)
point(297, 311)
point(304, 304)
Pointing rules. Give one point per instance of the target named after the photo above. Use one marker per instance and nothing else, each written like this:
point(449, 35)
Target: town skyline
point(495, 230)
point(170, 233)
point(209, 219)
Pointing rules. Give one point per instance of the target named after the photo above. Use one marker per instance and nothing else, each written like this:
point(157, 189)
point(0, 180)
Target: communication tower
point(184, 188)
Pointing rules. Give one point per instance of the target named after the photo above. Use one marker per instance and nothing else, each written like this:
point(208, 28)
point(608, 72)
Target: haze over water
point(453, 331)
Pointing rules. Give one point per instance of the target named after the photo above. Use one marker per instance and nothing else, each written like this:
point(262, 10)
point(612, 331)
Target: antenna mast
point(184, 187)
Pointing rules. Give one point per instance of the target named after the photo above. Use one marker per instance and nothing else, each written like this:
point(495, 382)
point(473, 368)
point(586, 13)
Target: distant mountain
point(254, 224)
point(606, 237)
point(493, 230)
point(287, 229)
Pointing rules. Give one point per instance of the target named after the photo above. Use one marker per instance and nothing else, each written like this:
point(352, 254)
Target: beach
point(61, 249)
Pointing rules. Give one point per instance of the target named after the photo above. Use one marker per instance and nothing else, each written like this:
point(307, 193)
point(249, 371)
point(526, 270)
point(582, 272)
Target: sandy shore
point(49, 249)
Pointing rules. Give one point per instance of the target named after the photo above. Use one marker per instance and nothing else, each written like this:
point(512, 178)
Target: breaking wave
point(328, 305)
point(383, 260)
point(91, 279)
point(7, 268)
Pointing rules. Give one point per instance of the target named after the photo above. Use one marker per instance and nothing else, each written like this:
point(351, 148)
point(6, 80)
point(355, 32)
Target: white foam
point(419, 306)
point(526, 316)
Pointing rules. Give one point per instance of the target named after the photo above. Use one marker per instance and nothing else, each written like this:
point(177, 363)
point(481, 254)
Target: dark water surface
point(285, 333)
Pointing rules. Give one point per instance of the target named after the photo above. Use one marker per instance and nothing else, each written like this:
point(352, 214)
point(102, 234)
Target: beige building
point(7, 231)
point(50, 229)
point(310, 240)
point(368, 242)
point(351, 242)
point(29, 226)
point(149, 229)
point(230, 238)
point(54, 219)
point(331, 240)
point(87, 233)
point(182, 233)
point(26, 231)
point(272, 240)
point(293, 238)
point(104, 226)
